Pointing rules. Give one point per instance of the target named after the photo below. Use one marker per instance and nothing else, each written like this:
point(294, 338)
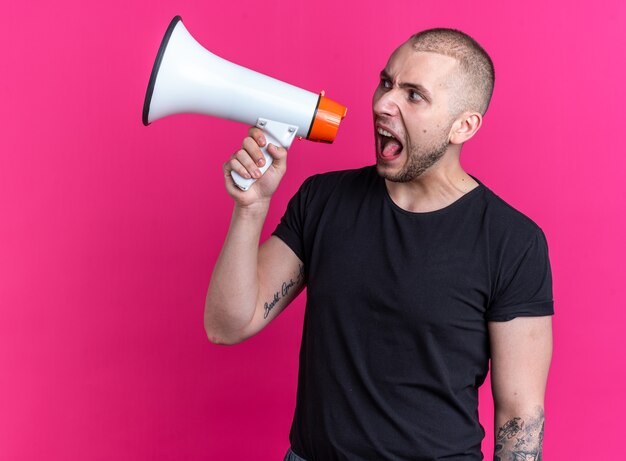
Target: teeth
point(385, 133)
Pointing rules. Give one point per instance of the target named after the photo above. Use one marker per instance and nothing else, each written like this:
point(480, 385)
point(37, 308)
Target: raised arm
point(250, 286)
point(521, 350)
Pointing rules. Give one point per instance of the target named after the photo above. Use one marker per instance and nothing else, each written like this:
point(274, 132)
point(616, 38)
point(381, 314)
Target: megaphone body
point(187, 78)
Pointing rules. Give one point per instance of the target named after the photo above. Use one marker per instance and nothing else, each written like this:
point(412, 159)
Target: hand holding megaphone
point(248, 162)
point(276, 133)
point(186, 78)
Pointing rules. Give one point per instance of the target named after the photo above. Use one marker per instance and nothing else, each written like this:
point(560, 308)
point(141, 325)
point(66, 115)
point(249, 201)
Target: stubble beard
point(418, 161)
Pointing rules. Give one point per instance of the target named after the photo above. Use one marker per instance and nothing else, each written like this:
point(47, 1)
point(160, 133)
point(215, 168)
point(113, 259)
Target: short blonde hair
point(474, 85)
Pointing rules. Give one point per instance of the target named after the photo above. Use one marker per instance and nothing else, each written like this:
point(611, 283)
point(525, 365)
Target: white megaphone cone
point(187, 78)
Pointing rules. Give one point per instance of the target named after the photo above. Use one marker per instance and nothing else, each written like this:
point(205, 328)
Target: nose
point(384, 102)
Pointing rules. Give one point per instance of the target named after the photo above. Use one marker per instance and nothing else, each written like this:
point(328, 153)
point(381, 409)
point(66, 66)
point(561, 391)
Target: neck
point(439, 186)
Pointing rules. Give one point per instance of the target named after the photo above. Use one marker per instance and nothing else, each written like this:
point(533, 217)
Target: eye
point(385, 83)
point(415, 96)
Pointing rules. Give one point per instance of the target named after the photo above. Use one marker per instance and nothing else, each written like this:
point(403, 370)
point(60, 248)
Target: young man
point(417, 275)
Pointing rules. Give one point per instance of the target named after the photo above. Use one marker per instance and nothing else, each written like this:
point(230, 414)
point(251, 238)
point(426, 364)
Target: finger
point(243, 156)
point(257, 134)
point(235, 165)
point(251, 146)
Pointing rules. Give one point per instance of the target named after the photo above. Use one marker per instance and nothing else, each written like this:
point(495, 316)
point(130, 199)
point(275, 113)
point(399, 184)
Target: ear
point(465, 126)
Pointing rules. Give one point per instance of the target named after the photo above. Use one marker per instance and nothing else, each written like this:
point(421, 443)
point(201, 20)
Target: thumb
point(279, 156)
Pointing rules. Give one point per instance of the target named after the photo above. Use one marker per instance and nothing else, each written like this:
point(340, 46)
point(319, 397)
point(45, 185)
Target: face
point(412, 121)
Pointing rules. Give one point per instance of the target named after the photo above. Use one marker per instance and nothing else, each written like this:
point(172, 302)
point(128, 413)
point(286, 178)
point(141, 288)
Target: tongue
point(392, 147)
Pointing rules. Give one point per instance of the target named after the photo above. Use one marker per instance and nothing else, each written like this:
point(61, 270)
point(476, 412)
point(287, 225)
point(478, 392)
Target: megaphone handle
point(277, 133)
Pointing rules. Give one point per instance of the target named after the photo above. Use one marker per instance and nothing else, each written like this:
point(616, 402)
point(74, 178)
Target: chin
point(387, 171)
point(406, 172)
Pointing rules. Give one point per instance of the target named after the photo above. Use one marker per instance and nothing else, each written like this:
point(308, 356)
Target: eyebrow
point(414, 86)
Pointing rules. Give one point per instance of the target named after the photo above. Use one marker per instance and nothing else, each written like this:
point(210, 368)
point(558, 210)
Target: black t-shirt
point(395, 342)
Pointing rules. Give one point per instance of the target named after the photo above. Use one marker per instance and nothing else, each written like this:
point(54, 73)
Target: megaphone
point(187, 78)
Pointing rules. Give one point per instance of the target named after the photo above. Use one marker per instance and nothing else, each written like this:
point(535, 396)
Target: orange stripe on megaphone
point(328, 116)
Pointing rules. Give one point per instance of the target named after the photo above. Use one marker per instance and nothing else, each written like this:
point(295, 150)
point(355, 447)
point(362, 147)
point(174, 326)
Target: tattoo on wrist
point(520, 439)
point(284, 291)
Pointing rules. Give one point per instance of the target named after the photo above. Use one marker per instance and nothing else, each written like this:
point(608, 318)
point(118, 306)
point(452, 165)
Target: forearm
point(233, 290)
point(519, 434)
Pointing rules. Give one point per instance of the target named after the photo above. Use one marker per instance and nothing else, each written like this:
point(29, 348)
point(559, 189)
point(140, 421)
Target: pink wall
point(109, 230)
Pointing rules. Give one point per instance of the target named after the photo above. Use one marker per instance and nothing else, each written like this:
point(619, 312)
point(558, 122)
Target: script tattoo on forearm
point(520, 439)
point(284, 291)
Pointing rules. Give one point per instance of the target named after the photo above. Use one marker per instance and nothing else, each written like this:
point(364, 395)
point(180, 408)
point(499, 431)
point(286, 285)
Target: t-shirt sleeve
point(290, 229)
point(524, 287)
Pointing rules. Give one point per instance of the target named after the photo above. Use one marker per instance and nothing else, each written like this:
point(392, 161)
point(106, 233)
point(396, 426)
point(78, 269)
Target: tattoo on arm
point(284, 291)
point(520, 439)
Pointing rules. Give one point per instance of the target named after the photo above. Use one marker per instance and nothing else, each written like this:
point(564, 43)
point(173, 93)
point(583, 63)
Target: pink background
point(109, 230)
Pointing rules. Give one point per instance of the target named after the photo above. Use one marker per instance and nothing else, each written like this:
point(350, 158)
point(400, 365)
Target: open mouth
point(388, 146)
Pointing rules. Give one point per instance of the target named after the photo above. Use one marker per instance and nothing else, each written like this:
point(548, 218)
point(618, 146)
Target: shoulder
point(507, 222)
point(339, 177)
point(324, 185)
point(519, 263)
